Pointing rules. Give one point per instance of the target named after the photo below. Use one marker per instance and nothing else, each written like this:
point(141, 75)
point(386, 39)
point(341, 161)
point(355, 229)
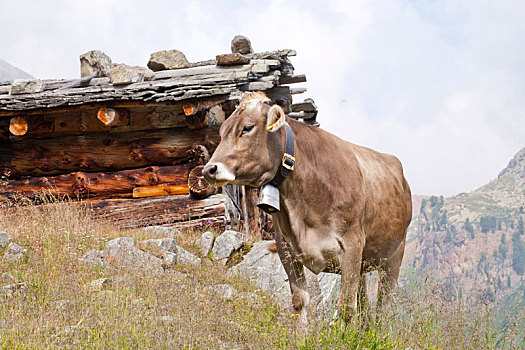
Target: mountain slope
point(9, 72)
point(474, 241)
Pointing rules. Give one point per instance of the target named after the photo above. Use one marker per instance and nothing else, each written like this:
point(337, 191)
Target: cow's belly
point(318, 252)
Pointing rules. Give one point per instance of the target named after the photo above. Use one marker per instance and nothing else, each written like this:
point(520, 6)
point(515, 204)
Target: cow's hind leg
point(388, 274)
point(296, 276)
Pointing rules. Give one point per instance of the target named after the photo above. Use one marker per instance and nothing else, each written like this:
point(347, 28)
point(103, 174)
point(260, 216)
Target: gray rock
point(223, 291)
point(242, 45)
point(63, 305)
point(164, 248)
point(266, 271)
point(170, 259)
point(119, 242)
point(163, 244)
point(121, 253)
point(14, 253)
point(123, 74)
point(94, 258)
point(4, 240)
point(206, 243)
point(330, 284)
point(6, 277)
point(161, 231)
point(164, 60)
point(227, 244)
point(231, 59)
point(14, 289)
point(95, 62)
point(98, 285)
point(167, 319)
point(26, 86)
point(186, 258)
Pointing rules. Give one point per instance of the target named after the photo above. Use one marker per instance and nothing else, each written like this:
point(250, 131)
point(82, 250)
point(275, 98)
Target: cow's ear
point(275, 119)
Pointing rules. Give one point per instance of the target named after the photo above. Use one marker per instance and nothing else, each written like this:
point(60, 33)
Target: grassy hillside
point(57, 306)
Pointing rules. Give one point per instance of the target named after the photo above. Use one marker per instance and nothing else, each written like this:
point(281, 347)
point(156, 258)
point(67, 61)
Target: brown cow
point(344, 208)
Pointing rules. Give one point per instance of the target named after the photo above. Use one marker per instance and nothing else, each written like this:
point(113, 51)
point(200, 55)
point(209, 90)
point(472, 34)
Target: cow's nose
point(210, 171)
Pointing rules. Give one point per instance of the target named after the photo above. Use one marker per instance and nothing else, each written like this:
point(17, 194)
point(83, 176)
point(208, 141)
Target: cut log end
point(199, 187)
point(198, 155)
point(106, 115)
point(18, 126)
point(188, 109)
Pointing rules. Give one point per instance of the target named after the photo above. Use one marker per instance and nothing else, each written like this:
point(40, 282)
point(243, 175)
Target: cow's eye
point(247, 128)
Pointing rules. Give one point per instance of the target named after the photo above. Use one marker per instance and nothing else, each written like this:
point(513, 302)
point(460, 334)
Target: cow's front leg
point(350, 276)
point(296, 276)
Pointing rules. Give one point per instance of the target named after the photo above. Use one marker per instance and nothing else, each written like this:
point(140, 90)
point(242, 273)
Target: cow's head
point(251, 144)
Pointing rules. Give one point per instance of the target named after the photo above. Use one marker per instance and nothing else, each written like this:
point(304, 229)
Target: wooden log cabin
point(133, 151)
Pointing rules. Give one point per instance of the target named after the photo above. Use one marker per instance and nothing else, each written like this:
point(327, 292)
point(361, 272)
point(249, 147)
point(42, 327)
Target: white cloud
point(439, 84)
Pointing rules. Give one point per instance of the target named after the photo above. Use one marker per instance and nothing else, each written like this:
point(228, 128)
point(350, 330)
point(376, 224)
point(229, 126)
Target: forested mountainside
point(474, 242)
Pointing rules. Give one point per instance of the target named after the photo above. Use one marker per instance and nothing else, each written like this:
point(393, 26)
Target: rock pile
point(150, 256)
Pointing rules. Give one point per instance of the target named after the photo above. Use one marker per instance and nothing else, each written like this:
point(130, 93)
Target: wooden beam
point(166, 210)
point(83, 185)
point(102, 152)
point(160, 190)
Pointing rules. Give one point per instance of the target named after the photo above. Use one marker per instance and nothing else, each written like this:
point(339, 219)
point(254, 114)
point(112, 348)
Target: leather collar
point(288, 161)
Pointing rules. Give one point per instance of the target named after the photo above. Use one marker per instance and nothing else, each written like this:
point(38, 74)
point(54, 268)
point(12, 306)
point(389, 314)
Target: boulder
point(6, 277)
point(14, 289)
point(166, 60)
point(121, 253)
point(186, 258)
point(14, 253)
point(123, 74)
point(26, 86)
point(4, 240)
point(206, 243)
point(227, 244)
point(231, 59)
point(96, 63)
point(265, 269)
point(94, 258)
point(241, 44)
point(164, 248)
point(98, 285)
point(222, 291)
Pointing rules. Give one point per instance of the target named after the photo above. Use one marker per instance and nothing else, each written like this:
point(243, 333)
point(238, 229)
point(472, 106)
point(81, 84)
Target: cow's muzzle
point(217, 174)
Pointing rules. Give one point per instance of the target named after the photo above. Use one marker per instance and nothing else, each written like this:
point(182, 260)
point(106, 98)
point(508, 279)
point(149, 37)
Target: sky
point(439, 84)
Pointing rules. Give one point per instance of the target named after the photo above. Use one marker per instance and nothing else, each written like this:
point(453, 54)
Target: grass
point(176, 310)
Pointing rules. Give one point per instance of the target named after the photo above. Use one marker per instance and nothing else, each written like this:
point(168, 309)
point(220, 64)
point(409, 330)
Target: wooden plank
point(101, 152)
point(165, 210)
point(81, 185)
point(307, 106)
point(160, 190)
point(299, 90)
point(292, 79)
